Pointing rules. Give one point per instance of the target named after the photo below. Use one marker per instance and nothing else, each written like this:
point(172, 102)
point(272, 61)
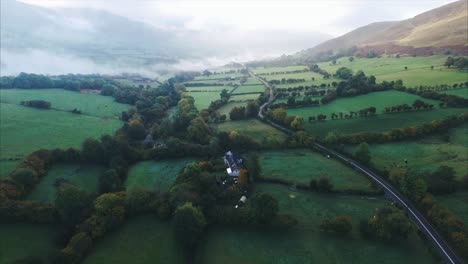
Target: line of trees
point(417, 105)
point(244, 112)
point(460, 63)
point(41, 104)
point(284, 72)
point(447, 99)
point(286, 81)
point(280, 116)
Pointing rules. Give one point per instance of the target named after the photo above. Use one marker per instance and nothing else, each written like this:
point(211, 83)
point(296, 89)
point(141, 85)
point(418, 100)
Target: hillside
point(436, 30)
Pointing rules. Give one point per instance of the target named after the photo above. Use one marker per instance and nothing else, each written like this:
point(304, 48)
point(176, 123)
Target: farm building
point(234, 164)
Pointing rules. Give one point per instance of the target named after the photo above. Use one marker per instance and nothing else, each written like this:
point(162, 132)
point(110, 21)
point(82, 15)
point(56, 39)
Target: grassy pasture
point(377, 99)
point(243, 97)
point(209, 88)
point(305, 243)
point(82, 176)
point(154, 175)
point(140, 240)
point(462, 92)
point(305, 75)
point(259, 70)
point(301, 166)
point(25, 129)
point(6, 167)
point(218, 76)
point(457, 202)
point(253, 128)
point(391, 69)
point(425, 154)
point(206, 81)
point(252, 81)
point(250, 89)
point(92, 104)
point(378, 123)
point(19, 241)
point(204, 99)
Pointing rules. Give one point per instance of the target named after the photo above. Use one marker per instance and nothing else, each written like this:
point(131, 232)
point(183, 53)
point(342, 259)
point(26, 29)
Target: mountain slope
point(443, 27)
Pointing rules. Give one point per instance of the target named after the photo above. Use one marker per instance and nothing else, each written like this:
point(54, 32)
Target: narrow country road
point(421, 222)
point(270, 99)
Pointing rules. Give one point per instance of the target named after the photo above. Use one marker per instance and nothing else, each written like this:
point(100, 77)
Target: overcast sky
point(333, 17)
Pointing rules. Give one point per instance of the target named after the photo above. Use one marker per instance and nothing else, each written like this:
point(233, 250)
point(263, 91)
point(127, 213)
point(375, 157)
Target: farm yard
point(154, 175)
point(306, 243)
point(308, 165)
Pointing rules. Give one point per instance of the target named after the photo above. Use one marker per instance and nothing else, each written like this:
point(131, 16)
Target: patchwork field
point(83, 176)
point(255, 129)
point(243, 97)
point(390, 69)
point(423, 155)
point(305, 243)
point(26, 129)
point(140, 240)
point(218, 76)
point(260, 70)
point(19, 241)
point(92, 104)
point(379, 123)
point(377, 99)
point(301, 166)
point(154, 175)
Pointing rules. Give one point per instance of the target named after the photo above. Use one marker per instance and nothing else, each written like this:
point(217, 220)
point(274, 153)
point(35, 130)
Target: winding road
point(421, 222)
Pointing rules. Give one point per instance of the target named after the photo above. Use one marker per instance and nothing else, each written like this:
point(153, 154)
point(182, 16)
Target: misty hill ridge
point(446, 26)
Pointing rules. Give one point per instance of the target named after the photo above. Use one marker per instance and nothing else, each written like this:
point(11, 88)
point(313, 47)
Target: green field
point(260, 70)
point(250, 89)
point(18, 241)
point(155, 175)
point(140, 240)
point(462, 92)
point(218, 76)
point(377, 99)
point(253, 128)
point(209, 88)
point(301, 166)
point(243, 97)
point(305, 75)
point(424, 154)
point(7, 166)
point(378, 123)
point(252, 81)
point(204, 99)
point(457, 202)
point(82, 176)
point(305, 243)
point(26, 129)
point(391, 69)
point(92, 104)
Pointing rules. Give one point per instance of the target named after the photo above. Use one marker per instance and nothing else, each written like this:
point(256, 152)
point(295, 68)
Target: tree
point(136, 130)
point(351, 59)
point(324, 184)
point(252, 109)
point(340, 225)
point(362, 153)
point(390, 223)
point(265, 207)
point(92, 151)
point(109, 181)
point(414, 188)
point(237, 113)
point(279, 115)
point(406, 68)
point(449, 62)
point(73, 205)
point(189, 223)
point(442, 180)
point(111, 207)
point(298, 123)
point(199, 131)
point(207, 73)
point(25, 177)
point(225, 94)
point(344, 73)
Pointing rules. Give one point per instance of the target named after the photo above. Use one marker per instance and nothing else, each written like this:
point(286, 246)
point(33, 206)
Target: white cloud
point(334, 17)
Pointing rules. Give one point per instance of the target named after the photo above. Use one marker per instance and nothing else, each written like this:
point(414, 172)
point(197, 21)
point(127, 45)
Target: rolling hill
point(436, 30)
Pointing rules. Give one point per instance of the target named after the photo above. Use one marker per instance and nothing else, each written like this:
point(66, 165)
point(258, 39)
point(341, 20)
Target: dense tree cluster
point(41, 104)
point(460, 63)
point(340, 225)
point(243, 112)
point(389, 223)
point(280, 116)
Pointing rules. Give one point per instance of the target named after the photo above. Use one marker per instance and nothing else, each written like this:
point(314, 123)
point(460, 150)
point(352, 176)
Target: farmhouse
point(234, 164)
